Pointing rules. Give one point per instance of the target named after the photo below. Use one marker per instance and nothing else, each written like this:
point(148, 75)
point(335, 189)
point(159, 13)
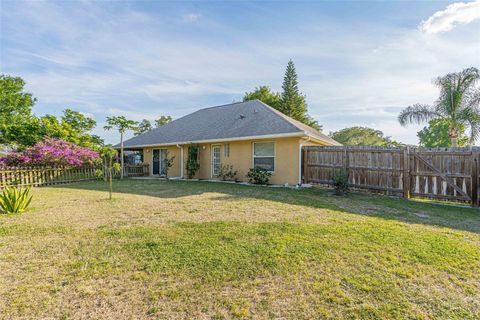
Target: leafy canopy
point(436, 135)
point(362, 136)
point(15, 111)
point(120, 123)
point(266, 95)
point(20, 127)
point(290, 102)
point(145, 125)
point(163, 120)
point(73, 127)
point(458, 104)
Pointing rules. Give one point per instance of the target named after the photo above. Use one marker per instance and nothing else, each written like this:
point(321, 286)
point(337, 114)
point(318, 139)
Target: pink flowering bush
point(51, 152)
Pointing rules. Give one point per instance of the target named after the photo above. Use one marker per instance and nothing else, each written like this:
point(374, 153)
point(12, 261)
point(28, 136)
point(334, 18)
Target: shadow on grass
point(390, 208)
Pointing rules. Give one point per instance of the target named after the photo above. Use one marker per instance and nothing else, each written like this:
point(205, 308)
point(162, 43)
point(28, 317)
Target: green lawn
point(183, 250)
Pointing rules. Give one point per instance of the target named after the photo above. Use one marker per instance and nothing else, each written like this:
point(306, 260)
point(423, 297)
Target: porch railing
point(137, 170)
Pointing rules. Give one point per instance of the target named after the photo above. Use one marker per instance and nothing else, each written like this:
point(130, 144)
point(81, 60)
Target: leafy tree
point(78, 122)
point(144, 126)
point(293, 102)
point(15, 111)
point(19, 126)
point(264, 94)
point(163, 120)
point(290, 102)
point(458, 105)
point(121, 124)
point(51, 127)
point(362, 136)
point(111, 167)
point(193, 165)
point(78, 127)
point(73, 127)
point(436, 135)
point(167, 163)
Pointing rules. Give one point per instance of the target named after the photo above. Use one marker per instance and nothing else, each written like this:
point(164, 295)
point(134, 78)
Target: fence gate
point(444, 175)
point(450, 174)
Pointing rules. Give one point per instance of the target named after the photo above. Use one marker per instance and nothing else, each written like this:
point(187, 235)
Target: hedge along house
point(243, 135)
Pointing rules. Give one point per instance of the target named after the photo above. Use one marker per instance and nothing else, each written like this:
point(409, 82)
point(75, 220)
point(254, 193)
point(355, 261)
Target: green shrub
point(258, 175)
point(340, 183)
point(227, 173)
point(193, 165)
point(14, 200)
point(167, 163)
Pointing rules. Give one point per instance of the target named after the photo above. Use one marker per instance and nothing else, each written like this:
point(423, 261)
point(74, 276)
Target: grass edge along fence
point(47, 176)
point(446, 174)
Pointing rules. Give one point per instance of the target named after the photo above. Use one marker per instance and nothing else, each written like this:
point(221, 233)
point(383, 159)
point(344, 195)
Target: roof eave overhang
point(323, 141)
point(268, 136)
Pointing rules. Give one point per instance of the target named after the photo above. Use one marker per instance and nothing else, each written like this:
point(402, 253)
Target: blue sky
point(359, 63)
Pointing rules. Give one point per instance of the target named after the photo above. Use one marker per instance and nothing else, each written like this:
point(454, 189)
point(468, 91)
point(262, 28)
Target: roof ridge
point(282, 115)
point(209, 123)
point(297, 124)
point(223, 105)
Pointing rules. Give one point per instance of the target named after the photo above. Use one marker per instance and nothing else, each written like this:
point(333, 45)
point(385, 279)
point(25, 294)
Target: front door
point(158, 163)
point(215, 160)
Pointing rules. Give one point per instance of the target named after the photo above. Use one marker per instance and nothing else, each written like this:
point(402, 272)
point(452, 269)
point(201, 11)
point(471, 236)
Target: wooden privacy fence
point(47, 176)
point(450, 174)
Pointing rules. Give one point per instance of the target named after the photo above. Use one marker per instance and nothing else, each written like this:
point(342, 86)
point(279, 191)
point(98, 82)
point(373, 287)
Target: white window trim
point(274, 155)
point(226, 150)
point(211, 158)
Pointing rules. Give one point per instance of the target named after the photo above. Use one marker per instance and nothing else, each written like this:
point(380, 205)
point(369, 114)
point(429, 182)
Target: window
point(216, 160)
point(226, 150)
point(264, 155)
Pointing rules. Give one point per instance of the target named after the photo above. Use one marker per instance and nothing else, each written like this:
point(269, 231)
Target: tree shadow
point(389, 208)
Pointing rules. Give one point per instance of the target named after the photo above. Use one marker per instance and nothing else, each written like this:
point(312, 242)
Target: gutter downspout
point(181, 161)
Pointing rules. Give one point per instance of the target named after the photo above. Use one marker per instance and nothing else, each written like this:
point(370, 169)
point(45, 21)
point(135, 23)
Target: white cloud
point(353, 76)
point(191, 17)
point(455, 14)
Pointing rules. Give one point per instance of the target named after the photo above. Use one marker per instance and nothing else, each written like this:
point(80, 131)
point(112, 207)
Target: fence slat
point(438, 173)
point(46, 176)
point(475, 172)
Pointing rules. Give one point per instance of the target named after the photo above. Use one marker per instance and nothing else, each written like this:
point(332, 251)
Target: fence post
point(305, 165)
point(406, 172)
point(475, 159)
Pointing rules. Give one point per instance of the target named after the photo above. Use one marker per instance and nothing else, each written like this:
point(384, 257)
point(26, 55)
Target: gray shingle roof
point(243, 119)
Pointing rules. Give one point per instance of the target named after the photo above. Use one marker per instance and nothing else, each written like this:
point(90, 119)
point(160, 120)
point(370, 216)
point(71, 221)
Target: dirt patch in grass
point(182, 250)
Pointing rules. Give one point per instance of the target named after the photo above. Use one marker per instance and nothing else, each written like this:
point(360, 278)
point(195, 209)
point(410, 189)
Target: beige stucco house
point(243, 135)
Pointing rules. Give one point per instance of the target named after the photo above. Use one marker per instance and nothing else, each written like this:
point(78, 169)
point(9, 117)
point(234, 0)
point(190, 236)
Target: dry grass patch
point(182, 250)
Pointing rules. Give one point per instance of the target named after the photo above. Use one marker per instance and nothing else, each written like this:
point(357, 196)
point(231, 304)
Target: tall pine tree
point(293, 102)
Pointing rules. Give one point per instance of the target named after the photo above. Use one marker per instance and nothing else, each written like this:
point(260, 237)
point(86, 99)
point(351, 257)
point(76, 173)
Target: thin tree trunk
point(121, 155)
point(453, 133)
point(454, 142)
point(105, 169)
point(110, 171)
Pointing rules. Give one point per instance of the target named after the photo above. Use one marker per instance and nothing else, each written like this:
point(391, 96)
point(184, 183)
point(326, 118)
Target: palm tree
point(122, 124)
point(458, 104)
